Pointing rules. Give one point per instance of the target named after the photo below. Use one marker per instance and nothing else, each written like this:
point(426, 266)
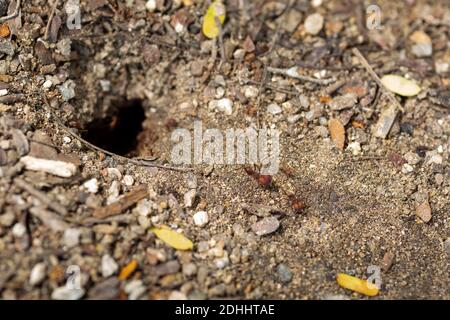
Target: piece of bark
point(123, 203)
point(57, 168)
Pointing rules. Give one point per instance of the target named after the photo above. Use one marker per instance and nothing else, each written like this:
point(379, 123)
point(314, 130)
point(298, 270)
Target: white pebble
point(109, 266)
point(251, 92)
point(273, 108)
point(355, 148)
point(435, 158)
point(114, 173)
point(71, 237)
point(225, 105)
point(220, 92)
point(67, 293)
point(91, 185)
point(135, 289)
point(19, 230)
point(37, 274)
point(407, 168)
point(144, 207)
point(222, 262)
point(201, 218)
point(177, 295)
point(151, 5)
point(47, 84)
point(113, 192)
point(314, 23)
point(189, 198)
point(128, 180)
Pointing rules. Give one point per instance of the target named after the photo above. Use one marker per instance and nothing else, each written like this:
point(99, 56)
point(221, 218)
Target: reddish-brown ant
point(263, 179)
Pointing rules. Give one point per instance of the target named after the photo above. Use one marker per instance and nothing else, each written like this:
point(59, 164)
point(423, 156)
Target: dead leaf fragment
point(4, 31)
point(358, 285)
point(337, 133)
point(128, 270)
point(400, 85)
point(172, 238)
point(214, 15)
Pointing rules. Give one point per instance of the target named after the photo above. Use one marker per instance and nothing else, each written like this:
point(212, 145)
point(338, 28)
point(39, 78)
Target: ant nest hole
point(125, 130)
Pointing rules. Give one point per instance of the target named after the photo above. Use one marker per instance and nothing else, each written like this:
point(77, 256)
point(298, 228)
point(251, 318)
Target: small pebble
point(407, 168)
point(128, 180)
point(314, 23)
point(189, 269)
point(71, 237)
point(251, 92)
point(144, 222)
point(67, 90)
point(423, 211)
point(222, 262)
point(201, 218)
point(266, 226)
point(91, 186)
point(37, 274)
point(225, 105)
point(284, 273)
point(412, 158)
point(388, 260)
point(135, 289)
point(189, 198)
point(273, 108)
point(177, 295)
point(150, 5)
point(144, 207)
point(66, 293)
point(19, 230)
point(109, 266)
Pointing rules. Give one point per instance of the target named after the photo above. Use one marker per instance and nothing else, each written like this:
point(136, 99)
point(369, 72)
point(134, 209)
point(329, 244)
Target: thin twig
point(120, 158)
point(223, 57)
point(373, 74)
point(50, 203)
point(50, 19)
point(13, 15)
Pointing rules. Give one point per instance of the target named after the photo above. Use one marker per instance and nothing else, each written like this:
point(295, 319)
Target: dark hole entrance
point(118, 133)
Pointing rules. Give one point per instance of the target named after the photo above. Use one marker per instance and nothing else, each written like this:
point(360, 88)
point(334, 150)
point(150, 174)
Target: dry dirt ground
point(136, 71)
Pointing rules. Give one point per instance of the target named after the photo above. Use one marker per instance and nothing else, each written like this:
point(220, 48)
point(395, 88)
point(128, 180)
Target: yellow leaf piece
point(215, 10)
point(172, 238)
point(400, 85)
point(358, 285)
point(128, 270)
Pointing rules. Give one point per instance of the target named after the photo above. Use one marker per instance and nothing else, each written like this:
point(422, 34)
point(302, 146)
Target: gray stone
point(284, 273)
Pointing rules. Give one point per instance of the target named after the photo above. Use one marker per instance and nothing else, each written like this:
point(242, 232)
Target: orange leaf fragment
point(128, 270)
point(337, 133)
point(4, 31)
